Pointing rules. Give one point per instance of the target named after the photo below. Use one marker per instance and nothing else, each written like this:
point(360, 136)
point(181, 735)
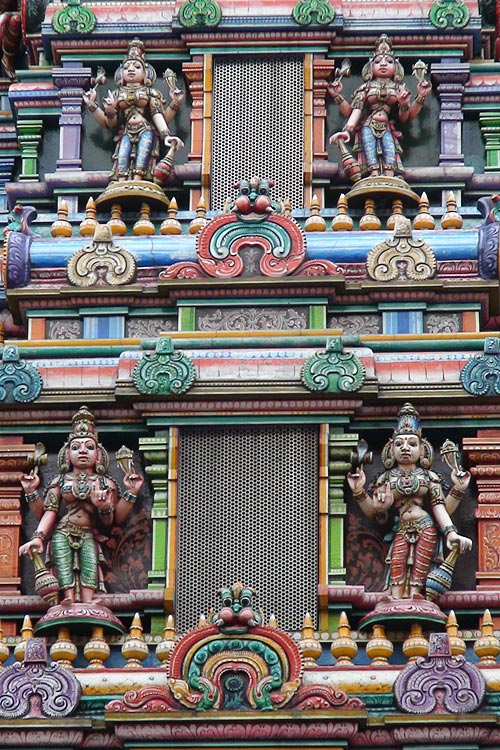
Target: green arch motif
point(235, 646)
point(481, 375)
point(306, 12)
point(164, 372)
point(73, 18)
point(200, 13)
point(19, 381)
point(446, 14)
point(333, 371)
point(224, 237)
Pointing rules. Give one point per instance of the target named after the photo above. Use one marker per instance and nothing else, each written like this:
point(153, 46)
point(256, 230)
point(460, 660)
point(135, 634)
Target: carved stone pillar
point(29, 136)
point(15, 459)
point(450, 79)
point(483, 453)
point(490, 129)
point(71, 82)
point(194, 74)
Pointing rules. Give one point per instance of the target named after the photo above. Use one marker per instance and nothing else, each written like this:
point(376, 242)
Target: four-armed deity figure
point(138, 112)
point(80, 505)
point(423, 511)
point(373, 105)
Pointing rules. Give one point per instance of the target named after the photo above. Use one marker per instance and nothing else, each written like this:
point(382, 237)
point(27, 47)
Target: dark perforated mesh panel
point(258, 125)
point(248, 511)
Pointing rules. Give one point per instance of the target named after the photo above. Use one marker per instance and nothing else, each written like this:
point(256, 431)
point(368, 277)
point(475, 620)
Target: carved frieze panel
point(65, 329)
point(149, 327)
point(357, 323)
point(251, 319)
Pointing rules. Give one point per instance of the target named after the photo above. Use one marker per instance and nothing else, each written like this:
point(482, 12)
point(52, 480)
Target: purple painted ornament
point(35, 689)
point(442, 683)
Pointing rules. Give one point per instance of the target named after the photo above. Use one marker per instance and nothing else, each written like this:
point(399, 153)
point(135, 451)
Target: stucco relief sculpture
point(378, 106)
point(382, 95)
point(415, 492)
point(79, 507)
point(139, 114)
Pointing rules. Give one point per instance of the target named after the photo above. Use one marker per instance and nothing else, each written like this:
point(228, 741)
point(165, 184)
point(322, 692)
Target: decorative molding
point(489, 236)
point(449, 14)
point(333, 371)
point(200, 13)
point(102, 262)
point(481, 375)
point(35, 689)
point(19, 381)
point(164, 372)
point(357, 323)
point(440, 683)
point(74, 18)
point(318, 12)
point(401, 257)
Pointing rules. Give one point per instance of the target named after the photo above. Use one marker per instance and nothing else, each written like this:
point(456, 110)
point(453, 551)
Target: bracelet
point(39, 535)
point(348, 128)
point(128, 496)
point(359, 496)
point(456, 492)
point(92, 107)
point(338, 99)
point(106, 511)
point(175, 106)
point(449, 528)
point(420, 99)
point(30, 497)
point(164, 133)
point(404, 108)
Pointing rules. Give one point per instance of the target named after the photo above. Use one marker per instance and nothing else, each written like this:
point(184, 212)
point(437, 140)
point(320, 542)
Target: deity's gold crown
point(408, 421)
point(135, 51)
point(83, 425)
point(383, 46)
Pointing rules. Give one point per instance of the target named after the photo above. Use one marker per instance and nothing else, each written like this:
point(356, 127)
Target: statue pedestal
point(400, 611)
point(130, 194)
point(79, 615)
point(382, 188)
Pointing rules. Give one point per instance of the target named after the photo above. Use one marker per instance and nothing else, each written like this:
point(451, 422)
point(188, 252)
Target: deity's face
point(83, 453)
point(383, 66)
point(406, 449)
point(133, 72)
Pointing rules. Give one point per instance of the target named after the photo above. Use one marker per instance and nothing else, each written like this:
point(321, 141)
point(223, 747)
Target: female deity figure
point(93, 503)
point(369, 114)
point(145, 118)
point(422, 510)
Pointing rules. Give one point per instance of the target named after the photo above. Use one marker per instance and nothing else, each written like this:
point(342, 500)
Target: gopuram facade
point(250, 375)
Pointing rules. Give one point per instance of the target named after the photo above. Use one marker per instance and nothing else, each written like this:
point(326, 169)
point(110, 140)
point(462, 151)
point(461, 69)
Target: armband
point(128, 496)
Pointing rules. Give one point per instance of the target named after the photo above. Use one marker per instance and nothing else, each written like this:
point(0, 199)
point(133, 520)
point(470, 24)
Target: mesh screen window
point(248, 511)
point(258, 125)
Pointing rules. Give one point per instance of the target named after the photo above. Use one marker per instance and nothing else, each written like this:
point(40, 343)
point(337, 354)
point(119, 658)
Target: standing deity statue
point(382, 95)
point(422, 509)
point(138, 112)
point(79, 507)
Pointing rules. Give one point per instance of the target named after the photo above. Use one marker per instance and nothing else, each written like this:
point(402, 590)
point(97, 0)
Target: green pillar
point(339, 451)
point(155, 450)
point(29, 136)
point(490, 128)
